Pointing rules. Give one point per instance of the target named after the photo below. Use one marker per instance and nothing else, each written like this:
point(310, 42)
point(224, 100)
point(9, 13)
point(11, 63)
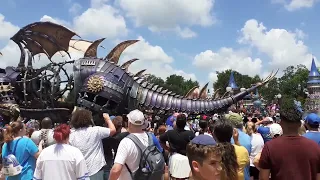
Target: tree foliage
point(174, 83)
point(292, 83)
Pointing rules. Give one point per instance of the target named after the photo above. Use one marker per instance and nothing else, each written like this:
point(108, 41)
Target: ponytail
point(12, 130)
point(229, 161)
point(8, 134)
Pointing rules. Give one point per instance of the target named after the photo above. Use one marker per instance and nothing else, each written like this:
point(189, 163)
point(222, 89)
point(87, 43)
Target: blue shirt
point(265, 133)
point(156, 142)
point(25, 151)
point(245, 141)
point(314, 136)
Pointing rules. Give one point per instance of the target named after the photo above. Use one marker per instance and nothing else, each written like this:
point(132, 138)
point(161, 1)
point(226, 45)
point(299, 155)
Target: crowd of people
point(232, 146)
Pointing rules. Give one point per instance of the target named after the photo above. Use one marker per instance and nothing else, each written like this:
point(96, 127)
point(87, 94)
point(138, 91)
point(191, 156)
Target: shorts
point(254, 172)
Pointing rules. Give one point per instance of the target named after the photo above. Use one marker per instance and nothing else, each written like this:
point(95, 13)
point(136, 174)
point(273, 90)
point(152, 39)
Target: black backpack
point(152, 163)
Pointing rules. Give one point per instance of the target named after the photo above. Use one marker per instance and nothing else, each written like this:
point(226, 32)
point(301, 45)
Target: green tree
point(174, 83)
point(155, 80)
point(294, 81)
point(270, 90)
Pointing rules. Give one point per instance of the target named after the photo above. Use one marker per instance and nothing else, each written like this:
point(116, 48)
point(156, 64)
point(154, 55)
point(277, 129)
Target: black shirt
point(112, 142)
point(178, 140)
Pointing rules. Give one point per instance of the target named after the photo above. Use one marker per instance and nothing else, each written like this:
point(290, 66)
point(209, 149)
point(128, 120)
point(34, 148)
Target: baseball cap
point(136, 117)
point(270, 119)
point(203, 140)
point(235, 118)
point(312, 119)
point(275, 129)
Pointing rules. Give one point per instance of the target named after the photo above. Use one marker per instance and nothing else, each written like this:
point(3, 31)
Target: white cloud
point(185, 33)
point(100, 20)
point(283, 47)
point(75, 8)
point(292, 5)
point(103, 21)
point(227, 58)
point(7, 28)
point(170, 15)
point(55, 20)
point(153, 58)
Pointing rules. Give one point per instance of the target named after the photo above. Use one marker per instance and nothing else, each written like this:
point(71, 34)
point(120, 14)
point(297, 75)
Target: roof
point(232, 82)
point(313, 70)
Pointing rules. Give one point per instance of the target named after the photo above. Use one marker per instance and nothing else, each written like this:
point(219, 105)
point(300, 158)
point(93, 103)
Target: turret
point(313, 84)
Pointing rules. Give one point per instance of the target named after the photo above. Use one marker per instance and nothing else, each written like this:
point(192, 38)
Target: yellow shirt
point(242, 159)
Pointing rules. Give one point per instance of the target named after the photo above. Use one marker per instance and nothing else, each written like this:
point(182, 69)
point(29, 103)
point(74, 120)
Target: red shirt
point(291, 158)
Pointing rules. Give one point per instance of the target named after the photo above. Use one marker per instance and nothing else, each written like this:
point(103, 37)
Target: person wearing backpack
point(137, 157)
point(19, 153)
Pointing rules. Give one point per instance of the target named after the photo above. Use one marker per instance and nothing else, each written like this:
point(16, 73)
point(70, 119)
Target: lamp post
point(279, 98)
point(228, 89)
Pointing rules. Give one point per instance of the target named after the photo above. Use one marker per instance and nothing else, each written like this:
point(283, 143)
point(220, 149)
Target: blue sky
point(187, 37)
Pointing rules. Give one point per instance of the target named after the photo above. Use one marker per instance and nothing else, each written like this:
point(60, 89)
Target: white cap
point(136, 117)
point(269, 119)
point(275, 129)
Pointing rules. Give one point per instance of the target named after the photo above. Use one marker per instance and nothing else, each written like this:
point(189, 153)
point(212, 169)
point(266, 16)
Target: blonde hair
point(250, 128)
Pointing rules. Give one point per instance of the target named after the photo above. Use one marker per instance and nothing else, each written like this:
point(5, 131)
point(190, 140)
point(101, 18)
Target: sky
point(184, 37)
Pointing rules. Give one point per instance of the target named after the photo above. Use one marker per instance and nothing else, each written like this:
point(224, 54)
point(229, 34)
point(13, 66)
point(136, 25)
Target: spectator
point(234, 158)
point(244, 139)
point(257, 144)
point(111, 143)
point(312, 123)
point(203, 124)
point(45, 134)
point(290, 156)
point(178, 139)
point(204, 158)
point(25, 151)
point(128, 154)
point(263, 127)
point(89, 140)
point(61, 161)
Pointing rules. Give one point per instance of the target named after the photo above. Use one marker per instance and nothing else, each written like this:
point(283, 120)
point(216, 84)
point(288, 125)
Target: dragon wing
point(79, 45)
point(44, 37)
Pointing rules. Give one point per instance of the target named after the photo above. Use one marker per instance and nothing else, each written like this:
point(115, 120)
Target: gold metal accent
point(95, 84)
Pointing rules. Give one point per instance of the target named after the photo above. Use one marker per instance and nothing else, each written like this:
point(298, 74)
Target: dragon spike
point(128, 63)
point(115, 53)
point(29, 59)
point(139, 74)
point(215, 93)
point(203, 92)
point(93, 48)
point(191, 92)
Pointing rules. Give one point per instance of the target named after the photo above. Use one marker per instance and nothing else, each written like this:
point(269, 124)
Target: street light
point(242, 89)
point(279, 96)
point(228, 89)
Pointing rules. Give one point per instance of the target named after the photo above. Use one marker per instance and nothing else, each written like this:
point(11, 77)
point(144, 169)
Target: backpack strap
point(138, 143)
point(15, 147)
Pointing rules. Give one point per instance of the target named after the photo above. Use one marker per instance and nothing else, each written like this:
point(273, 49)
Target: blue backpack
point(10, 164)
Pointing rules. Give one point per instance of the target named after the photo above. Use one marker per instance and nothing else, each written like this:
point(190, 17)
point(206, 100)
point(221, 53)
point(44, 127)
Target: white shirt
point(36, 136)
point(61, 161)
point(257, 144)
point(89, 141)
point(128, 153)
point(205, 133)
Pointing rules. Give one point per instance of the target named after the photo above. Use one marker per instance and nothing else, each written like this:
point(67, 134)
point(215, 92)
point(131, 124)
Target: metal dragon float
point(99, 84)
